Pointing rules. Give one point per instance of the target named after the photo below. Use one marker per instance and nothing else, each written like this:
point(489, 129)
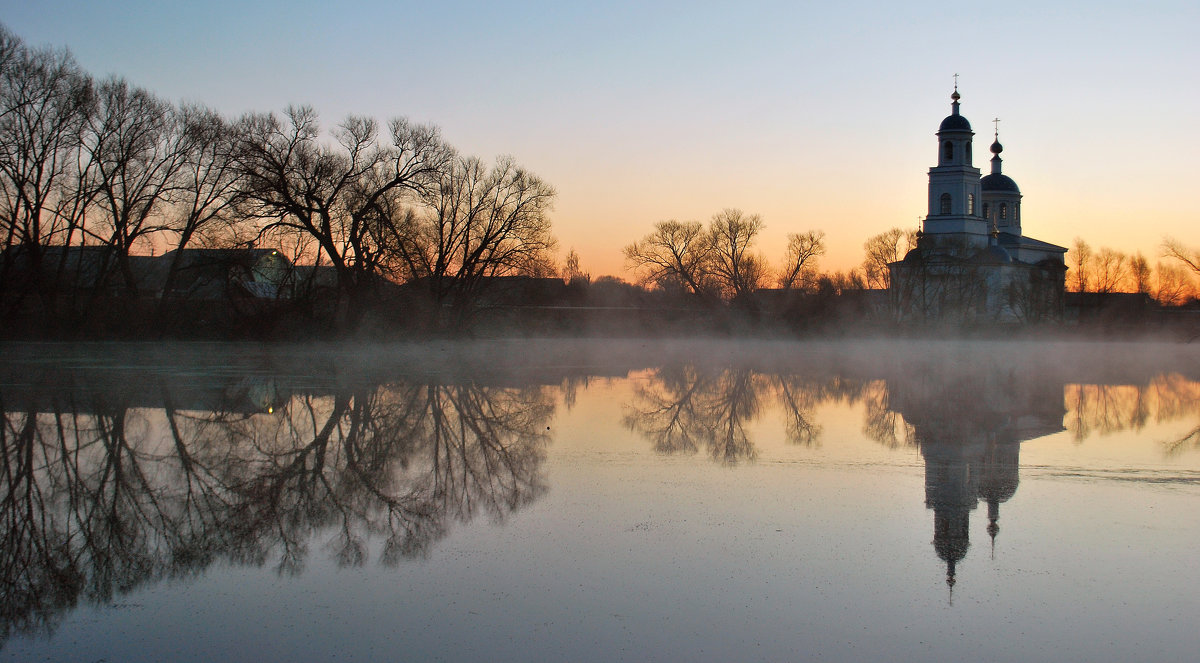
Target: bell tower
point(955, 219)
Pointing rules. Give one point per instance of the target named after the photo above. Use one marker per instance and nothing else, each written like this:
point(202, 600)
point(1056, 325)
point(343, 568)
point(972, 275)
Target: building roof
point(998, 182)
point(1009, 240)
point(954, 122)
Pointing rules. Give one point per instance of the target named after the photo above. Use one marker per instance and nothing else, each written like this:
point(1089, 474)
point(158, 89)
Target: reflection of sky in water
point(822, 548)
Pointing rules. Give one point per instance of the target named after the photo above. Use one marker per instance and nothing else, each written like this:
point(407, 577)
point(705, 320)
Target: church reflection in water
point(969, 430)
point(966, 415)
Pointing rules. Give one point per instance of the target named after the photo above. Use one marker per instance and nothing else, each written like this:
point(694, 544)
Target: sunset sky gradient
point(814, 116)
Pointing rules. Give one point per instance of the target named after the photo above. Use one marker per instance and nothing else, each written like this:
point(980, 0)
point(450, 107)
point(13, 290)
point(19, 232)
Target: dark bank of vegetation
point(124, 215)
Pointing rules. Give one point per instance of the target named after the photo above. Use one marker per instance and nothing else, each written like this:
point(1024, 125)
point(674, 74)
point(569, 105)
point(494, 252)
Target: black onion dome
point(997, 148)
point(955, 123)
point(998, 182)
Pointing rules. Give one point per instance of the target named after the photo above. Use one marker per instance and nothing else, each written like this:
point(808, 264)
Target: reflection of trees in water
point(671, 410)
point(883, 423)
point(1099, 409)
point(683, 408)
point(99, 497)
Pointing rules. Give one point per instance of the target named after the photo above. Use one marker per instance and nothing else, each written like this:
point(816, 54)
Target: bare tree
point(208, 176)
point(1110, 270)
point(134, 147)
point(737, 271)
point(1173, 284)
point(347, 196)
point(571, 272)
point(1140, 273)
point(476, 224)
point(674, 253)
point(799, 261)
point(1081, 261)
point(10, 49)
point(882, 249)
point(1173, 248)
point(44, 100)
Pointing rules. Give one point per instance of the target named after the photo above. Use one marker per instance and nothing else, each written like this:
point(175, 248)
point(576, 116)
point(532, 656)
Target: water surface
point(655, 500)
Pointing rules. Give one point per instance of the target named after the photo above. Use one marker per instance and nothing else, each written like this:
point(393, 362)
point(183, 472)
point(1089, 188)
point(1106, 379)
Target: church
point(972, 264)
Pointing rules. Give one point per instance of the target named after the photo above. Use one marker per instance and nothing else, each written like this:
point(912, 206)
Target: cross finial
point(996, 122)
point(956, 82)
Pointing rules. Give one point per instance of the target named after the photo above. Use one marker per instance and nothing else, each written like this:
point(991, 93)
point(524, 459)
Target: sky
point(816, 117)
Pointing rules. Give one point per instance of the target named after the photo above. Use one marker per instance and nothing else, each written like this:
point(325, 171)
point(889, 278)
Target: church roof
point(998, 182)
point(1020, 241)
point(955, 122)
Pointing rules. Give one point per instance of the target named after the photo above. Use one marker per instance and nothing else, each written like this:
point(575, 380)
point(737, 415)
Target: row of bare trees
point(719, 261)
point(109, 166)
point(1170, 281)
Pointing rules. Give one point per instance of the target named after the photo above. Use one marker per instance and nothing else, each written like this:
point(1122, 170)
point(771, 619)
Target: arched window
point(970, 203)
point(945, 203)
point(985, 210)
point(968, 153)
point(1003, 210)
point(948, 151)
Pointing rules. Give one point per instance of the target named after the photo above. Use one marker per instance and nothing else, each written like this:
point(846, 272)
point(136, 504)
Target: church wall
point(969, 292)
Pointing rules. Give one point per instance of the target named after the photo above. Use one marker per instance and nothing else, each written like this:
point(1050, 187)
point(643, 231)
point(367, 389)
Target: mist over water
point(518, 499)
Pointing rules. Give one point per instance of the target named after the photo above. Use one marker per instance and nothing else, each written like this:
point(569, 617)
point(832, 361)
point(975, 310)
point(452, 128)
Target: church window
point(945, 203)
point(1003, 210)
point(968, 153)
point(970, 203)
point(985, 210)
point(948, 151)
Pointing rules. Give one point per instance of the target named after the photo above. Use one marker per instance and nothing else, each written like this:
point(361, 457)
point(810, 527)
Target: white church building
point(972, 263)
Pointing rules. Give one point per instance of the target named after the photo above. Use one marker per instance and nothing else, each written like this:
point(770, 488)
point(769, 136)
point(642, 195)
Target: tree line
point(109, 166)
point(719, 262)
point(1170, 282)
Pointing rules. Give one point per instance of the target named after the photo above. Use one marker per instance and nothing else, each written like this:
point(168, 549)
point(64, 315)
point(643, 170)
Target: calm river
point(601, 501)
